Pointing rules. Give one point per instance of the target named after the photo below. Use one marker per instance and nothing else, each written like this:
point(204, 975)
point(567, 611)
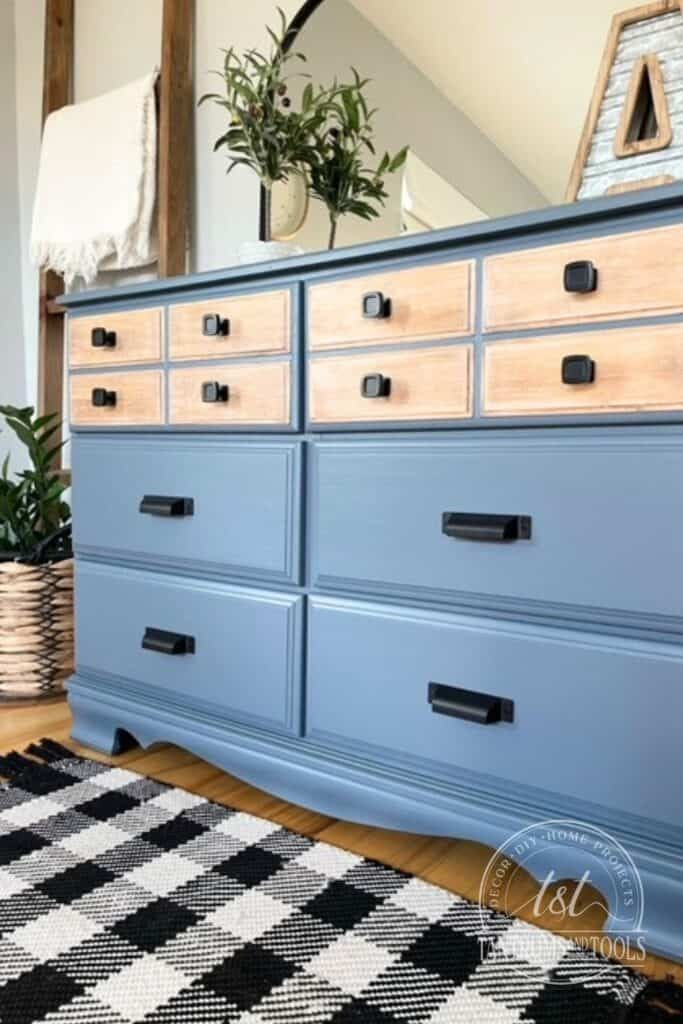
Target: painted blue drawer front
point(247, 661)
point(598, 538)
point(580, 702)
point(246, 503)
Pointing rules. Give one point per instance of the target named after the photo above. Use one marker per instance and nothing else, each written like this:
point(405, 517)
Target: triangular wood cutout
point(645, 125)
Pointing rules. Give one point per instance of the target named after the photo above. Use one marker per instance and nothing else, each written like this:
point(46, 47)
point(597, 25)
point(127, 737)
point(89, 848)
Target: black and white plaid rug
point(125, 900)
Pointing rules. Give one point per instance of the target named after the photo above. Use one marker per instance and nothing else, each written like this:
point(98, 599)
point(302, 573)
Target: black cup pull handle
point(166, 505)
point(478, 526)
point(580, 277)
point(482, 708)
point(100, 337)
point(376, 306)
point(101, 398)
point(164, 642)
point(215, 326)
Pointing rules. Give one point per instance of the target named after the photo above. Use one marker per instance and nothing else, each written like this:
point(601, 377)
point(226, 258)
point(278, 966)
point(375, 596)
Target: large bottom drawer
point(242, 647)
point(594, 717)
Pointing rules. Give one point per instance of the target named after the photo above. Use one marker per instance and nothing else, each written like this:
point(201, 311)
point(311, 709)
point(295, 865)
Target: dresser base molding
point(337, 784)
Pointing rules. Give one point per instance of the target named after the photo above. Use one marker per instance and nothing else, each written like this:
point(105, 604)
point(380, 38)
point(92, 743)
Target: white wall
point(13, 390)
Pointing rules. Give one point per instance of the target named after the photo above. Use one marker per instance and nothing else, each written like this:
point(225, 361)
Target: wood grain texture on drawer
point(256, 393)
point(424, 302)
point(638, 274)
point(137, 399)
point(424, 384)
point(257, 323)
point(634, 369)
point(133, 336)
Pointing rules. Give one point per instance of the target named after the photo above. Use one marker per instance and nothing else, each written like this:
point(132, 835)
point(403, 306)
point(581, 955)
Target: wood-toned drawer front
point(425, 302)
point(243, 517)
point(425, 384)
point(636, 369)
point(600, 539)
point(246, 663)
point(579, 702)
point(116, 338)
point(256, 324)
point(138, 399)
point(638, 274)
point(258, 393)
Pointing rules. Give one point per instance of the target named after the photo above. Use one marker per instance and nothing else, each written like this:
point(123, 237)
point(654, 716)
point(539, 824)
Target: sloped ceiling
point(522, 70)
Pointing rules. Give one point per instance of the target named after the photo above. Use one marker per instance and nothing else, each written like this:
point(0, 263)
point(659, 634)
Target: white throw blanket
point(97, 185)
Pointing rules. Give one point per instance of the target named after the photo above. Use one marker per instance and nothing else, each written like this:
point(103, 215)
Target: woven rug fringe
point(47, 751)
point(661, 1002)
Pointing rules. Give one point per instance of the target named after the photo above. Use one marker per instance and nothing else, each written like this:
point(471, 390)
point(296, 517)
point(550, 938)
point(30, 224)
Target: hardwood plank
point(257, 393)
point(139, 399)
point(258, 324)
point(176, 108)
point(139, 338)
point(454, 864)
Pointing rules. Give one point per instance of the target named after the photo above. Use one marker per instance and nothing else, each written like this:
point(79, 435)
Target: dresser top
point(608, 211)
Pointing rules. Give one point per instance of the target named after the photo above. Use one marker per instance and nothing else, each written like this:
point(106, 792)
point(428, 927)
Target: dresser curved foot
point(93, 728)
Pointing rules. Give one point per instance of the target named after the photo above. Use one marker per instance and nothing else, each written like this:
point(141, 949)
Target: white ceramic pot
point(260, 252)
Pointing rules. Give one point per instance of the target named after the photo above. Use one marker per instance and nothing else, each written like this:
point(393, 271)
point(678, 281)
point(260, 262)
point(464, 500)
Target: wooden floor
point(455, 864)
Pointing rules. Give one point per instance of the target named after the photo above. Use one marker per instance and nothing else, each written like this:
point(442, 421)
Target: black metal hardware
point(580, 276)
point(375, 385)
point(482, 708)
point(376, 306)
point(215, 326)
point(100, 337)
point(102, 397)
point(212, 391)
point(578, 370)
point(163, 505)
point(163, 642)
point(478, 526)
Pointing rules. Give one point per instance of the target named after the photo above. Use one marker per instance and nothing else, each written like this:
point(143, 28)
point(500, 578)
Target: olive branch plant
point(326, 136)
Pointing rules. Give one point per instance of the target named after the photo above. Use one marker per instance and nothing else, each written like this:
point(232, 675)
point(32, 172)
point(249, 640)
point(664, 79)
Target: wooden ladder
point(176, 102)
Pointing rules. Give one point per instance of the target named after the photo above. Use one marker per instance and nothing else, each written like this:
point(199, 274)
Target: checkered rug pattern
point(126, 900)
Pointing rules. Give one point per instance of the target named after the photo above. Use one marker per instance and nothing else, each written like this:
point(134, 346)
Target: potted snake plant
point(36, 567)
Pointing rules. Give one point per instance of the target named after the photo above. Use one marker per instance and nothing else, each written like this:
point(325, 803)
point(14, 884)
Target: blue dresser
point(395, 532)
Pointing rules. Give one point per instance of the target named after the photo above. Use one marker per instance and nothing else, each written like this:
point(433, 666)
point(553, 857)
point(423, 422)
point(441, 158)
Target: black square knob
point(376, 306)
point(101, 397)
point(100, 337)
point(212, 391)
point(580, 277)
point(215, 326)
point(578, 370)
point(375, 385)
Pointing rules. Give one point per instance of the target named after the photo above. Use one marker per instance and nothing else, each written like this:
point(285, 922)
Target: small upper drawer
point(435, 301)
point(131, 337)
point(228, 393)
point(415, 384)
point(166, 500)
point(635, 274)
point(580, 701)
point(637, 369)
point(235, 326)
point(117, 399)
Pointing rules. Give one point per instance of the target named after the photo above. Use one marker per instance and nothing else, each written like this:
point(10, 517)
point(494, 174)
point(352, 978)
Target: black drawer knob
point(482, 708)
point(100, 337)
point(212, 391)
point(101, 397)
point(375, 385)
point(376, 306)
point(581, 276)
point(164, 642)
point(481, 526)
point(578, 370)
point(167, 506)
point(215, 326)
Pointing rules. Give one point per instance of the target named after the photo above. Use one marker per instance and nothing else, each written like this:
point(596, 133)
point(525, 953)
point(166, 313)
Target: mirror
point(490, 96)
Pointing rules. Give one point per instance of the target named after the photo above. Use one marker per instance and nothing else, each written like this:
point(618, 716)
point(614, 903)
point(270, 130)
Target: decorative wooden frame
point(645, 65)
point(175, 152)
point(619, 21)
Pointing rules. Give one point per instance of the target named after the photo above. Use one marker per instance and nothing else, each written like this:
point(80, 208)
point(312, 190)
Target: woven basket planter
point(36, 628)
